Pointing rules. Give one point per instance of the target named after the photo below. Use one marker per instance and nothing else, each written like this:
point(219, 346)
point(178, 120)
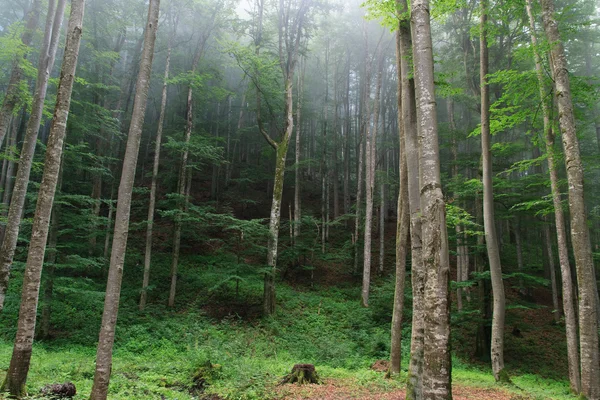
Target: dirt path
point(339, 390)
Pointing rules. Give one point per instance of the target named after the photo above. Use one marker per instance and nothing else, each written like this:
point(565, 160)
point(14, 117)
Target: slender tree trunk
point(359, 184)
point(363, 118)
point(519, 245)
point(458, 229)
point(182, 177)
point(324, 167)
point(382, 212)
point(402, 225)
point(548, 244)
point(437, 368)
point(559, 219)
point(16, 375)
point(11, 150)
point(281, 154)
point(334, 162)
point(588, 325)
point(117, 258)
point(491, 239)
point(371, 161)
point(46, 63)
point(51, 257)
point(297, 205)
point(111, 211)
point(11, 97)
point(347, 131)
point(153, 185)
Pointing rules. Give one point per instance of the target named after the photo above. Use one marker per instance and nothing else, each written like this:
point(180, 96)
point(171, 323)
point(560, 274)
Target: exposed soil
point(339, 390)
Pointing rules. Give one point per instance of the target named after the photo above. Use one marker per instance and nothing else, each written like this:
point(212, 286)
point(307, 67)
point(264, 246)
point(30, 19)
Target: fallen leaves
point(341, 390)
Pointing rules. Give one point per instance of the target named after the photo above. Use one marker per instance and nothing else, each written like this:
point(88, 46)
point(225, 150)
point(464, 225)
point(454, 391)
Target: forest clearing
point(300, 199)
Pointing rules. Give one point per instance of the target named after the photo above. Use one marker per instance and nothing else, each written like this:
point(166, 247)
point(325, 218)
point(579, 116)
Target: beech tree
point(121, 230)
point(491, 241)
point(437, 367)
point(559, 218)
point(291, 32)
point(580, 238)
point(155, 166)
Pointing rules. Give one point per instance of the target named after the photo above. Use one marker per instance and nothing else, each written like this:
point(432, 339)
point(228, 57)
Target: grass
point(158, 352)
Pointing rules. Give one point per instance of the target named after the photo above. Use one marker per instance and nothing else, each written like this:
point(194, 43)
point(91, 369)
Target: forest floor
point(160, 352)
point(340, 390)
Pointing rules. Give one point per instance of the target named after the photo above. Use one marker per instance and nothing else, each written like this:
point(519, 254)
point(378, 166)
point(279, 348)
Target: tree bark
point(297, 188)
point(15, 213)
point(548, 244)
point(588, 325)
point(371, 162)
point(559, 220)
point(51, 257)
point(119, 245)
point(182, 176)
point(414, 385)
point(402, 224)
point(437, 368)
point(153, 185)
point(491, 239)
point(290, 35)
point(16, 375)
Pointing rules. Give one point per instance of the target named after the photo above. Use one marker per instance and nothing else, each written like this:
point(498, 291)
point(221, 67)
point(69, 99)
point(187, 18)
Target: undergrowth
point(159, 352)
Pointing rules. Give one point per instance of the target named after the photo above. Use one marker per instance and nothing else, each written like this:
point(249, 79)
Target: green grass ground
point(158, 352)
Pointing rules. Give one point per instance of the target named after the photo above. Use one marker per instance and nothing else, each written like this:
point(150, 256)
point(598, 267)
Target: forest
point(300, 199)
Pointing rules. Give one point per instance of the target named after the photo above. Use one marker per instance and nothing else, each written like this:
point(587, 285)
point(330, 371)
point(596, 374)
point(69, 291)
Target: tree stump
point(302, 374)
point(59, 391)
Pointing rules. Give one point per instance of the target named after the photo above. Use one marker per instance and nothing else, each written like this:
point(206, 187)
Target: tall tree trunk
point(297, 205)
point(182, 177)
point(382, 212)
point(347, 131)
point(460, 239)
point(559, 220)
point(437, 367)
point(153, 185)
point(324, 166)
point(371, 161)
point(414, 385)
point(588, 325)
point(11, 97)
point(402, 224)
point(519, 245)
point(491, 239)
point(15, 213)
point(334, 161)
point(548, 244)
point(16, 375)
point(51, 257)
point(12, 152)
point(119, 245)
point(359, 184)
